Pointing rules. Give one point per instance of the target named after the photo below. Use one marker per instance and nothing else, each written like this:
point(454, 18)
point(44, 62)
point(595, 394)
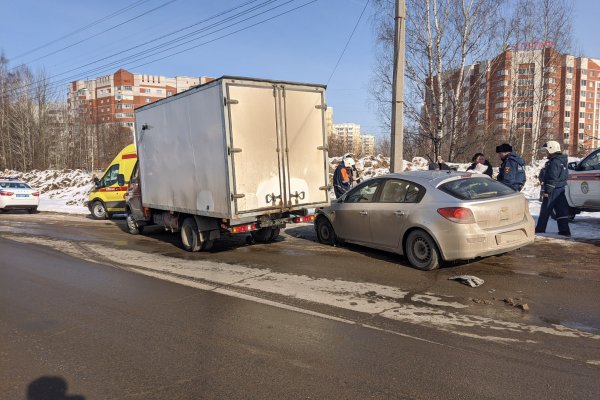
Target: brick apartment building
point(111, 99)
point(532, 94)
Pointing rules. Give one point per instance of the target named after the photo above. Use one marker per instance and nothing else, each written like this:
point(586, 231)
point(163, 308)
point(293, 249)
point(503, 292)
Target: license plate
point(510, 237)
point(22, 195)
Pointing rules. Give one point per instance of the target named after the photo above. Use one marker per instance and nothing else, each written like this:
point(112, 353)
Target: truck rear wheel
point(190, 237)
point(265, 235)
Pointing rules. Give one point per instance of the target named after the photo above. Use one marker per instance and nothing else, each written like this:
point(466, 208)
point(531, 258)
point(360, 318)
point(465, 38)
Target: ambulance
point(108, 195)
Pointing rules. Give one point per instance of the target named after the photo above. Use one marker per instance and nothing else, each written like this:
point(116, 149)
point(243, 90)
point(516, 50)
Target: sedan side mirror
point(572, 165)
point(121, 179)
point(97, 183)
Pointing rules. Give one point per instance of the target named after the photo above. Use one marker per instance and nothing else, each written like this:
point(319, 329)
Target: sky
point(303, 45)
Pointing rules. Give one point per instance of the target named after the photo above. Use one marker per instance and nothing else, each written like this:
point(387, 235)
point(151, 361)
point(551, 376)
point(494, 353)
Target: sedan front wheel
point(325, 232)
point(422, 251)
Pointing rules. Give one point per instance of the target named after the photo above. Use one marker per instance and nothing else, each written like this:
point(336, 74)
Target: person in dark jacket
point(555, 179)
point(512, 170)
point(479, 163)
point(342, 176)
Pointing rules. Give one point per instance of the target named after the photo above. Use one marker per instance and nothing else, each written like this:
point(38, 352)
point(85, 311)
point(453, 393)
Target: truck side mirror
point(96, 183)
point(572, 165)
point(121, 179)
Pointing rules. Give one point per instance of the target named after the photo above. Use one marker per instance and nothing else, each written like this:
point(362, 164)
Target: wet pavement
point(543, 297)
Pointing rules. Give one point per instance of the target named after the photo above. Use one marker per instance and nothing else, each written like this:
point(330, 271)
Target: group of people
point(511, 172)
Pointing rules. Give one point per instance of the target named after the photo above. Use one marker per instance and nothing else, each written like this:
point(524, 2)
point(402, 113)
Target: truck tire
point(265, 235)
point(32, 210)
point(132, 225)
point(98, 210)
point(190, 237)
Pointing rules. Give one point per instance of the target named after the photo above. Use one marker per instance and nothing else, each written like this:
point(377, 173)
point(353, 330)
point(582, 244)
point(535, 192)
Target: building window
point(569, 81)
point(581, 125)
point(569, 70)
point(583, 92)
point(159, 91)
point(567, 114)
point(583, 82)
point(567, 124)
point(169, 93)
point(148, 100)
point(568, 103)
point(582, 104)
point(589, 115)
point(582, 115)
point(584, 72)
point(568, 92)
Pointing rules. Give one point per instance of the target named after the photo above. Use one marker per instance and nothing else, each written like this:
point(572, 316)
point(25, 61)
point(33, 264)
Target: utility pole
point(396, 159)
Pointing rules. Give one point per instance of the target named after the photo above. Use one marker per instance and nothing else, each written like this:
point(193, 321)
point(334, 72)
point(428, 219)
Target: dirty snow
point(65, 191)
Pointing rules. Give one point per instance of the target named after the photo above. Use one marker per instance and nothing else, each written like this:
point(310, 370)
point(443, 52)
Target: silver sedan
point(430, 217)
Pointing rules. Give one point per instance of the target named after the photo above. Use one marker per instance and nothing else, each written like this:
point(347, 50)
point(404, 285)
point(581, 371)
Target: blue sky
point(303, 45)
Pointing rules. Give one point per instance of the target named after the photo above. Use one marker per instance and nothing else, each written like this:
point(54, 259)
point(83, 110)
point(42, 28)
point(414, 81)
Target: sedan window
point(475, 188)
point(397, 191)
point(363, 194)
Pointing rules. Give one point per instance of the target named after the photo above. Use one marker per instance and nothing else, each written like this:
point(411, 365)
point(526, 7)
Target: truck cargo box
point(235, 148)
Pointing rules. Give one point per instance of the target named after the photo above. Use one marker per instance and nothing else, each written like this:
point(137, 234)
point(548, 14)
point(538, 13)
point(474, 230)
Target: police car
point(583, 185)
point(18, 195)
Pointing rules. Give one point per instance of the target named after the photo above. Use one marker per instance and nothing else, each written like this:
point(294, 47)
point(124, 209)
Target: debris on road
point(469, 280)
point(516, 304)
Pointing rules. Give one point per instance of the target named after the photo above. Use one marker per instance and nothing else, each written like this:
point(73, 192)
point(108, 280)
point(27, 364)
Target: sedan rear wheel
point(325, 232)
point(421, 251)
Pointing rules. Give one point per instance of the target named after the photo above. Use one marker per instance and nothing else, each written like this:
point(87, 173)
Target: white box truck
point(231, 156)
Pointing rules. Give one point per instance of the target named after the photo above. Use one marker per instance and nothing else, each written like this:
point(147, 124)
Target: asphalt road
point(100, 331)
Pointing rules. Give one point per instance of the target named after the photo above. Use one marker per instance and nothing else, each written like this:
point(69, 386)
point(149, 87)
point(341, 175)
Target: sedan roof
point(433, 178)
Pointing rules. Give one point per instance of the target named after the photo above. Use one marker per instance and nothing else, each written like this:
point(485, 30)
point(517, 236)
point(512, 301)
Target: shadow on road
point(50, 388)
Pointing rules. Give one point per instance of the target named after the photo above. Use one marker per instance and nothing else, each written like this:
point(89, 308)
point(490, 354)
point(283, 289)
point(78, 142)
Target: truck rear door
point(254, 147)
point(304, 141)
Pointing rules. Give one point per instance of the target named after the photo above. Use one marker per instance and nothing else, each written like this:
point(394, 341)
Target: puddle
point(569, 324)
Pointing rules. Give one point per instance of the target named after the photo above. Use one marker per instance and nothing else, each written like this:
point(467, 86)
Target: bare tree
point(442, 36)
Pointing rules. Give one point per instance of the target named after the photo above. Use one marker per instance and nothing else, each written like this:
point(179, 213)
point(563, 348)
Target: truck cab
point(108, 195)
point(583, 185)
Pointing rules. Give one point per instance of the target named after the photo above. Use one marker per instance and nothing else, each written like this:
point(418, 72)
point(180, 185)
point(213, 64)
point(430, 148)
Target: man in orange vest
point(342, 177)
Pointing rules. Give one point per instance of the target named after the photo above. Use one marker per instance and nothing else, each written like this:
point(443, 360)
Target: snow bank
point(60, 190)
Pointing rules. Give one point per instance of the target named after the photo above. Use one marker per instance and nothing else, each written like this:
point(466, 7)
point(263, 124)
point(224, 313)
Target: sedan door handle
point(399, 213)
point(364, 213)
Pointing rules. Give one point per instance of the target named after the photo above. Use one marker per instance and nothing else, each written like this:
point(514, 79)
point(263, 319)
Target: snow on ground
point(60, 190)
point(65, 190)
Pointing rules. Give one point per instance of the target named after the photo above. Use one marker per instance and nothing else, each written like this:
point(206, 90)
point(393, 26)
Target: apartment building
point(532, 94)
point(111, 99)
point(349, 136)
point(368, 145)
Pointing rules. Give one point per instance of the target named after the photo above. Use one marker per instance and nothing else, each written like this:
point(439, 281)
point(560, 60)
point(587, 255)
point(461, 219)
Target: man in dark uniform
point(555, 179)
point(512, 170)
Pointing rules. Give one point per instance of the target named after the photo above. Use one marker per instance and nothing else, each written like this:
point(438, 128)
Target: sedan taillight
point(3, 193)
point(36, 194)
point(460, 215)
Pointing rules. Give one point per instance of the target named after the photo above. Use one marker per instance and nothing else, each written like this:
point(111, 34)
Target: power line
point(229, 34)
point(83, 28)
point(72, 77)
point(140, 55)
point(348, 42)
point(102, 32)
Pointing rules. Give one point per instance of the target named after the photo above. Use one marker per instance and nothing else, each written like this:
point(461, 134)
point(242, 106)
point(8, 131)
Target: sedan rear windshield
point(475, 188)
point(14, 185)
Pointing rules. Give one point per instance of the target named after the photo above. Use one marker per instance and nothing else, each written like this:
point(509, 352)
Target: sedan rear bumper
point(470, 241)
